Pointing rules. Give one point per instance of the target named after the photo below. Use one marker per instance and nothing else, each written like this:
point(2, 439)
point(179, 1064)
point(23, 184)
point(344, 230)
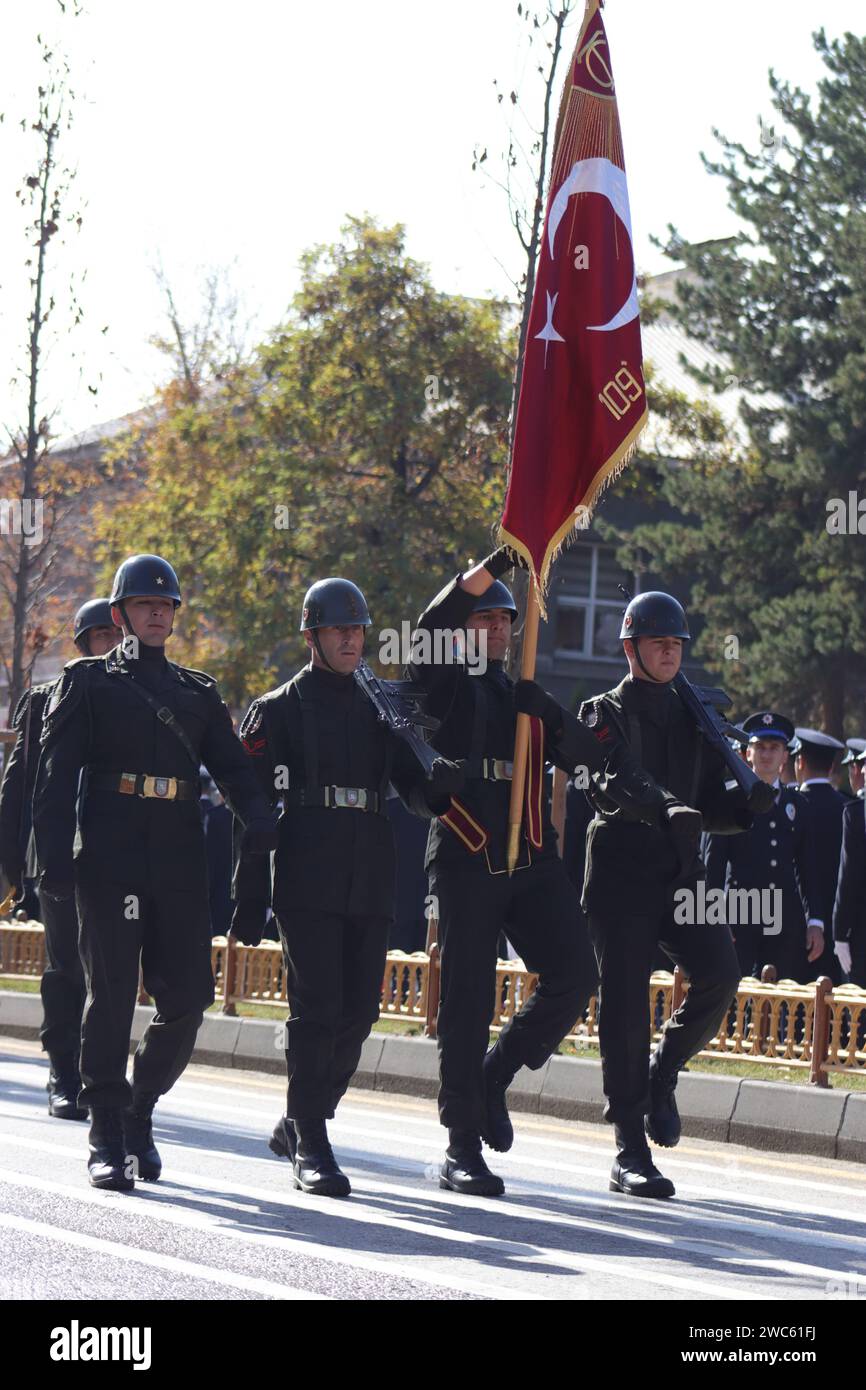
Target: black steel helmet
point(145, 576)
point(96, 612)
point(497, 596)
point(334, 603)
point(654, 614)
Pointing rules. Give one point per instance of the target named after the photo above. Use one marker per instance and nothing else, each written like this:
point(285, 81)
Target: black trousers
point(538, 910)
point(334, 970)
point(62, 987)
point(167, 931)
point(625, 945)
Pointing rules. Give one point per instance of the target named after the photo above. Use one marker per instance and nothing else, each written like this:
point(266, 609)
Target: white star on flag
point(548, 333)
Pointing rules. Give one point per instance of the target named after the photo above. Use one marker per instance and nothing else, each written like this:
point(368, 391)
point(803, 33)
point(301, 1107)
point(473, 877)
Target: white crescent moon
point(597, 176)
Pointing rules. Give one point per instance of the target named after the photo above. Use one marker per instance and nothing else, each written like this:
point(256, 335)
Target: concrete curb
point(763, 1114)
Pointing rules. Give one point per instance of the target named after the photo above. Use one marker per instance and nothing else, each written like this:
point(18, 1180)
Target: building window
point(589, 605)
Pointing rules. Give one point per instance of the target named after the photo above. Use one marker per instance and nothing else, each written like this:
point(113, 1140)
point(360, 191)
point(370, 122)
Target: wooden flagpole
point(521, 738)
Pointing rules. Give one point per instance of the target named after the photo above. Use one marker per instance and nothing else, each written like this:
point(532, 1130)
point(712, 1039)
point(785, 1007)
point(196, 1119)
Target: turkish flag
point(582, 399)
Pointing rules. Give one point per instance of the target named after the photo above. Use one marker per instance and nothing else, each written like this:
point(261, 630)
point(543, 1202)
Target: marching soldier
point(637, 857)
point(62, 985)
point(139, 726)
point(815, 753)
point(777, 853)
point(318, 746)
point(537, 906)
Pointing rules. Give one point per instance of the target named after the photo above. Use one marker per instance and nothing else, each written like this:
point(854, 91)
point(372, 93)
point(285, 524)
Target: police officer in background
point(536, 907)
point(319, 747)
point(777, 853)
point(814, 755)
point(139, 726)
point(854, 763)
point(849, 911)
point(636, 859)
point(62, 985)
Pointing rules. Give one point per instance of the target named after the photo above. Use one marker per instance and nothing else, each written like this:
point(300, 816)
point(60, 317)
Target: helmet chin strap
point(317, 644)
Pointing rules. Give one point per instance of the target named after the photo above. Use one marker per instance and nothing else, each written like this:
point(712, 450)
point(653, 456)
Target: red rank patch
point(603, 734)
point(255, 746)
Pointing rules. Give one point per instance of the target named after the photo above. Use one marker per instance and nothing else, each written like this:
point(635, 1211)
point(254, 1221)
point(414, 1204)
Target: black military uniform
point(537, 907)
point(139, 726)
point(636, 860)
point(320, 750)
point(849, 911)
point(777, 854)
point(62, 985)
point(826, 805)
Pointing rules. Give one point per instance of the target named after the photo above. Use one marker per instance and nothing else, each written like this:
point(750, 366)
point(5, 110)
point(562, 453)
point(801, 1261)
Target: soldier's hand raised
point(503, 559)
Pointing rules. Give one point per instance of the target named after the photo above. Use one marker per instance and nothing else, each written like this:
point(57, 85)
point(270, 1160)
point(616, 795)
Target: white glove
point(843, 955)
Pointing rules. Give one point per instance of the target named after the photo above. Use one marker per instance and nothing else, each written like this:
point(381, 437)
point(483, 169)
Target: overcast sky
point(210, 133)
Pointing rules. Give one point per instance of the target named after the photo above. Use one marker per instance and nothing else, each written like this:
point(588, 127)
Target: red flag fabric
point(582, 399)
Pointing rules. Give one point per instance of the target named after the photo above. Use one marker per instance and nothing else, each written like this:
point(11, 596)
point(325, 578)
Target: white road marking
point(170, 1263)
point(357, 1212)
point(143, 1207)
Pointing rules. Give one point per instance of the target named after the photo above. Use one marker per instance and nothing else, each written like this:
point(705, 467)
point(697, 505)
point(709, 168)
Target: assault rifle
point(706, 708)
point(399, 705)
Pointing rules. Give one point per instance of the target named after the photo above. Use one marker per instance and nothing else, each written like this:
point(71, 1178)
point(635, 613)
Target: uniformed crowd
point(100, 808)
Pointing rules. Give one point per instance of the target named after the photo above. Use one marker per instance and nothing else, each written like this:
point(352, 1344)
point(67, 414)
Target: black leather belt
point(352, 798)
point(487, 770)
point(143, 784)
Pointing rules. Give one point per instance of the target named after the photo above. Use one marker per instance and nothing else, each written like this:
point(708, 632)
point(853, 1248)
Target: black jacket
point(631, 862)
point(317, 730)
point(17, 850)
point(478, 721)
point(94, 720)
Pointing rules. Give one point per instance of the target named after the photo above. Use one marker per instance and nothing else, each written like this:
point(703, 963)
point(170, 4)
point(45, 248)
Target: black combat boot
point(663, 1121)
point(284, 1140)
point(464, 1170)
point(138, 1138)
point(634, 1172)
point(315, 1168)
point(107, 1164)
point(64, 1083)
point(498, 1132)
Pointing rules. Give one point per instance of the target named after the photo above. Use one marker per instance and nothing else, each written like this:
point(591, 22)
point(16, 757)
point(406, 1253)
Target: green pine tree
point(785, 303)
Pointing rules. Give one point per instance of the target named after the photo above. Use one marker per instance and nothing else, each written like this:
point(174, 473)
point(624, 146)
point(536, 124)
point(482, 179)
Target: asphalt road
point(226, 1223)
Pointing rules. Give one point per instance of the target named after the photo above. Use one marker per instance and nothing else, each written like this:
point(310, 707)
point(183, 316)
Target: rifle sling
point(165, 716)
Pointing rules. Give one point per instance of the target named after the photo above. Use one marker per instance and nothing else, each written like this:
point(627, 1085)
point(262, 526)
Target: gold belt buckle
point(127, 783)
point(163, 787)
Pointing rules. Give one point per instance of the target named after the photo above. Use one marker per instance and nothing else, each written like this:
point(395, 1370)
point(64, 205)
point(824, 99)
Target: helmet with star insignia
point(145, 576)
